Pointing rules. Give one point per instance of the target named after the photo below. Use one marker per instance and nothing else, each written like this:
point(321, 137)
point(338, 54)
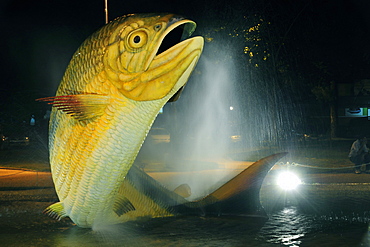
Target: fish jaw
point(166, 70)
point(153, 76)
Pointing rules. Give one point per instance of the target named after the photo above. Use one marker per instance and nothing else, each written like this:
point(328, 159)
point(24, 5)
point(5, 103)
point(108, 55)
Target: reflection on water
point(289, 224)
point(290, 229)
point(285, 228)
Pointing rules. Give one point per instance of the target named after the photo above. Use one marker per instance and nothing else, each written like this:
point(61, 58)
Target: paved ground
point(11, 179)
point(23, 179)
point(314, 163)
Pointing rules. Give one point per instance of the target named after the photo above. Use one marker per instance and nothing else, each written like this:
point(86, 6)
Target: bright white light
point(288, 181)
point(231, 108)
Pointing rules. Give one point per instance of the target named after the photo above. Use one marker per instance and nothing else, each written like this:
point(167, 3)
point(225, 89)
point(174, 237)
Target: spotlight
point(288, 181)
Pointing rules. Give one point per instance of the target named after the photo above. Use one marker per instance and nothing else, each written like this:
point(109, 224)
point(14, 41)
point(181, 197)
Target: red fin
point(79, 106)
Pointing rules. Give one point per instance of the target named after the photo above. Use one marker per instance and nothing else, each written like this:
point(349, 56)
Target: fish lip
point(189, 28)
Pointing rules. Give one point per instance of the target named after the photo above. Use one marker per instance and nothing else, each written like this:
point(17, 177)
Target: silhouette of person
point(359, 154)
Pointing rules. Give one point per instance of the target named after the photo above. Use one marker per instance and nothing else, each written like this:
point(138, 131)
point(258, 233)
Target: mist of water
point(223, 99)
point(208, 117)
point(201, 126)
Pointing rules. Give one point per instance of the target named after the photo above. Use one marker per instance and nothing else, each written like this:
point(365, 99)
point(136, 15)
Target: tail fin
point(240, 195)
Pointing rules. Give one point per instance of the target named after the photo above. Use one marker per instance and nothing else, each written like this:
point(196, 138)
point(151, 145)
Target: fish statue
point(112, 90)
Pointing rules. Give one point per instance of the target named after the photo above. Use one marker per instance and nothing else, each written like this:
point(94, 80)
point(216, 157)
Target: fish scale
point(88, 181)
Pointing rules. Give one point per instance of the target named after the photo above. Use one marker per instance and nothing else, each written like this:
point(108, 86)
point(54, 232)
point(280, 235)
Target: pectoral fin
point(79, 106)
point(56, 211)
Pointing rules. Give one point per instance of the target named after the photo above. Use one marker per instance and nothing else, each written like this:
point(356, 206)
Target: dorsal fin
point(79, 106)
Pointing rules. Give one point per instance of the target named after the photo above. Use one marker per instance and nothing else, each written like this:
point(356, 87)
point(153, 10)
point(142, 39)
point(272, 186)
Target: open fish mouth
point(179, 32)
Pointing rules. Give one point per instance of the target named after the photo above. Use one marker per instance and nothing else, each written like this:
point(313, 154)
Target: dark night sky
point(39, 37)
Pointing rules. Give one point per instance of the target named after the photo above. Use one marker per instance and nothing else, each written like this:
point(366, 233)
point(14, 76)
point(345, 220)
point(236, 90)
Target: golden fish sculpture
point(111, 92)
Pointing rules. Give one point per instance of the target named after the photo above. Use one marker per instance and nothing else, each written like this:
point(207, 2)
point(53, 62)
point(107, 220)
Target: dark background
point(297, 46)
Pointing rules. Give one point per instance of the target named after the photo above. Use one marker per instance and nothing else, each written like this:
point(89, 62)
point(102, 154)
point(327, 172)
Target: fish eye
point(157, 27)
point(137, 39)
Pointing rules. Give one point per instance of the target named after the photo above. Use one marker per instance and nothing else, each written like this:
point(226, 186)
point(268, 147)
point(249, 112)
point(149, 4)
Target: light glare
point(288, 181)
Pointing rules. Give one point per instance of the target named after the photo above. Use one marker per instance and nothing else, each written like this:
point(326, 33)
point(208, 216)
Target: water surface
point(289, 224)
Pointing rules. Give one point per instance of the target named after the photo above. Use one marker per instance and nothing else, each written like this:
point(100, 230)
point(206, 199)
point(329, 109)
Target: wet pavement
point(24, 179)
point(19, 179)
point(346, 191)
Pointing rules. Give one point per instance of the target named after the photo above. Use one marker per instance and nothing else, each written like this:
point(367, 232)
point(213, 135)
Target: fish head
point(150, 56)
